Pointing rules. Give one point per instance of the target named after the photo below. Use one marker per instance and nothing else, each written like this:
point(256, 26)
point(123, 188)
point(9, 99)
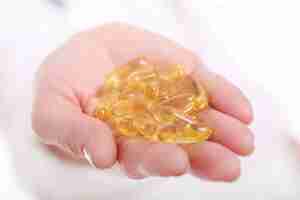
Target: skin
point(69, 78)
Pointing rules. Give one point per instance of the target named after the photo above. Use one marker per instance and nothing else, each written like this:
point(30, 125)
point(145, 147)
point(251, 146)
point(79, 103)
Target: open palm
point(69, 78)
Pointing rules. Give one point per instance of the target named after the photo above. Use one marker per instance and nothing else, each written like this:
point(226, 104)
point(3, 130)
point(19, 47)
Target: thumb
point(60, 122)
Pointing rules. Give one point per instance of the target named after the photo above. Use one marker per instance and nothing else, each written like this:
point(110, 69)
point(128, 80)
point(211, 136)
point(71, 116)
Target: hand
point(70, 76)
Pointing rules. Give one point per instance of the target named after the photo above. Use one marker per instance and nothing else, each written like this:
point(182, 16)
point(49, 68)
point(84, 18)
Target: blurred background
point(255, 44)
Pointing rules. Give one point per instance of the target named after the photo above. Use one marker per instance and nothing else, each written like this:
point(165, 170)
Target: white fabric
point(217, 30)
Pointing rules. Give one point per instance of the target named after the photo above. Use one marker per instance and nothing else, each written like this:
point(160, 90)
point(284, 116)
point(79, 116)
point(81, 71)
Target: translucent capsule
point(125, 127)
point(146, 75)
point(113, 81)
point(168, 134)
point(163, 115)
point(151, 90)
point(103, 113)
point(153, 138)
point(123, 108)
point(186, 85)
point(141, 70)
point(177, 72)
point(145, 124)
point(193, 134)
point(199, 102)
point(179, 102)
point(103, 109)
point(171, 72)
point(196, 104)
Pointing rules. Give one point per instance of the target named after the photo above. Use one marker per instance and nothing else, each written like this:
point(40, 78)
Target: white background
point(257, 39)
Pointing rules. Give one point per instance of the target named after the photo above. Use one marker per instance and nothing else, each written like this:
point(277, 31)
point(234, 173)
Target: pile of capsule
point(157, 103)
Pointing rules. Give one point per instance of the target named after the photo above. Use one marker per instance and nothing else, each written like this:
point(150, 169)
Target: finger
point(61, 123)
point(224, 96)
point(229, 131)
point(141, 158)
point(213, 161)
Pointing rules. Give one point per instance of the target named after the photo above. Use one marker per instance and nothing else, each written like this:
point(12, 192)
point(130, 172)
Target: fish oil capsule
point(103, 114)
point(114, 80)
point(177, 72)
point(125, 127)
point(145, 124)
point(193, 134)
point(168, 134)
point(196, 104)
point(163, 115)
point(103, 109)
point(171, 72)
point(199, 102)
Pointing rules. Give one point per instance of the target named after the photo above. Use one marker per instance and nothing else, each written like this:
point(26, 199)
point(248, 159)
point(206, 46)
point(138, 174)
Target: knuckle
point(104, 163)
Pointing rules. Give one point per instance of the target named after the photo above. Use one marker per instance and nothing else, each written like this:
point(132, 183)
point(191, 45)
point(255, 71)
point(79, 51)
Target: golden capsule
point(152, 90)
point(171, 72)
point(145, 125)
point(122, 108)
point(177, 72)
point(192, 134)
point(103, 114)
point(167, 134)
point(103, 109)
point(199, 103)
point(196, 104)
point(163, 115)
point(113, 81)
point(153, 138)
point(167, 137)
point(125, 127)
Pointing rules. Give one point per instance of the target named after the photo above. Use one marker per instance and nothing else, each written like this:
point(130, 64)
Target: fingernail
point(231, 170)
point(143, 171)
point(249, 144)
point(248, 113)
point(88, 157)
